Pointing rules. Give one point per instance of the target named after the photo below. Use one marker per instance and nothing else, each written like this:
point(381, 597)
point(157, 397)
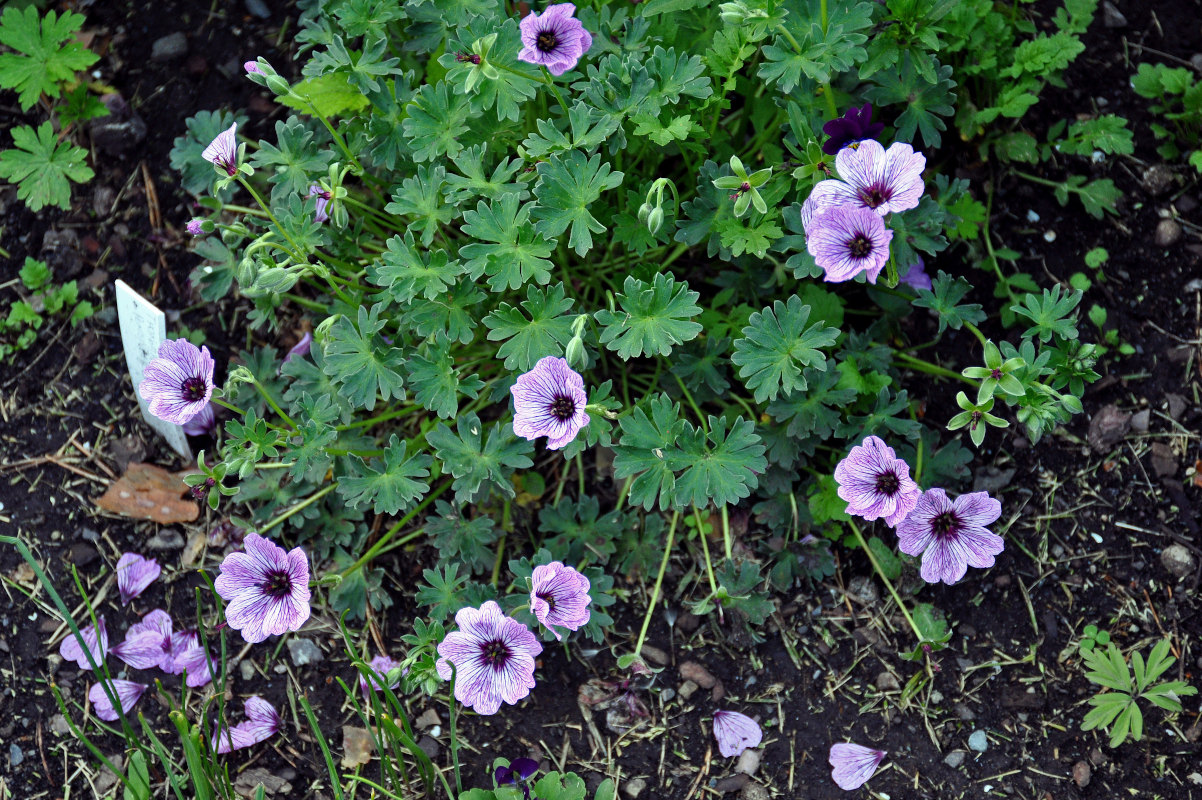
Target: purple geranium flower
point(301, 348)
point(323, 200)
point(204, 423)
point(128, 694)
point(223, 151)
point(179, 383)
point(152, 643)
point(916, 276)
point(380, 666)
point(855, 125)
point(262, 722)
point(852, 764)
point(555, 39)
point(735, 733)
point(493, 657)
point(559, 596)
point(846, 241)
point(134, 573)
point(549, 401)
point(189, 658)
point(195, 227)
point(874, 178)
point(951, 535)
point(267, 589)
point(876, 483)
point(98, 645)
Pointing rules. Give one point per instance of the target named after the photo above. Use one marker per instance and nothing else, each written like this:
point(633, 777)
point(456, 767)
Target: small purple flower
point(262, 722)
point(323, 200)
point(179, 383)
point(195, 227)
point(735, 733)
point(204, 423)
point(876, 483)
point(189, 657)
point(518, 772)
point(916, 276)
point(555, 39)
point(267, 589)
point(874, 178)
point(149, 644)
point(134, 573)
point(380, 666)
point(559, 596)
point(853, 764)
point(493, 657)
point(301, 348)
point(549, 401)
point(855, 125)
point(252, 67)
point(128, 694)
point(223, 151)
point(98, 645)
point(951, 535)
point(846, 241)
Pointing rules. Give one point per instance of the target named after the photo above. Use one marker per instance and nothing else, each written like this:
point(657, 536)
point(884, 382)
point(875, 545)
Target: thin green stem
point(296, 250)
point(383, 540)
point(506, 524)
point(888, 583)
point(274, 406)
point(454, 731)
point(367, 423)
point(922, 365)
point(726, 542)
point(975, 332)
point(659, 582)
point(308, 501)
point(705, 548)
point(219, 401)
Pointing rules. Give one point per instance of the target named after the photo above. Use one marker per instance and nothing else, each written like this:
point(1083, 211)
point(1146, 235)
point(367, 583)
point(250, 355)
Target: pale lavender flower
point(380, 666)
point(555, 39)
point(189, 658)
point(549, 401)
point(128, 694)
point(195, 227)
point(735, 733)
point(134, 573)
point(846, 241)
point(262, 722)
point(852, 764)
point(559, 596)
point(252, 67)
point(148, 644)
point(876, 483)
point(951, 535)
point(179, 383)
point(204, 423)
point(493, 657)
point(267, 589)
point(881, 180)
point(301, 348)
point(223, 151)
point(916, 276)
point(98, 645)
point(322, 201)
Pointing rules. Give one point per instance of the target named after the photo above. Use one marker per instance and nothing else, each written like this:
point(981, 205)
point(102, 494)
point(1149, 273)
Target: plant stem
point(922, 365)
point(400, 523)
point(308, 501)
point(705, 548)
point(659, 581)
point(888, 583)
point(271, 402)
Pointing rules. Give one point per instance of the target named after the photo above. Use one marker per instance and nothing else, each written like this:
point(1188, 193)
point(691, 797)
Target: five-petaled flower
point(223, 151)
point(876, 483)
point(262, 722)
point(951, 535)
point(378, 669)
point(195, 227)
point(267, 590)
point(559, 596)
point(134, 573)
point(204, 423)
point(874, 178)
point(153, 643)
point(179, 383)
point(549, 401)
point(845, 241)
point(493, 656)
point(555, 39)
point(735, 733)
point(852, 764)
point(855, 125)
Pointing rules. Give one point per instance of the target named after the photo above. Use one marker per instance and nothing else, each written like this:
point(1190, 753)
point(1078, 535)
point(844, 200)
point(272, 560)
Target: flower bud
point(575, 354)
point(655, 219)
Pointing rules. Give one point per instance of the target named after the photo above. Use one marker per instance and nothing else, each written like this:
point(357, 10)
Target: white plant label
point(143, 329)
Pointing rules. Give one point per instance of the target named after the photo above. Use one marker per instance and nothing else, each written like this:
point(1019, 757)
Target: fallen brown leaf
point(149, 492)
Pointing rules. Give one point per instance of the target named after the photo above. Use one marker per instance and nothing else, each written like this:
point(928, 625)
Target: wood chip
point(149, 492)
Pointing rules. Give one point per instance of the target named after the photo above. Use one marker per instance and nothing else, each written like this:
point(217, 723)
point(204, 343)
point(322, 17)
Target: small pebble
point(304, 651)
point(1178, 560)
point(754, 791)
point(749, 762)
point(955, 758)
point(978, 741)
point(687, 690)
point(1049, 236)
point(246, 669)
point(886, 682)
point(169, 539)
point(1081, 774)
point(1168, 233)
point(1032, 216)
point(169, 48)
point(15, 756)
point(691, 670)
point(258, 8)
point(633, 788)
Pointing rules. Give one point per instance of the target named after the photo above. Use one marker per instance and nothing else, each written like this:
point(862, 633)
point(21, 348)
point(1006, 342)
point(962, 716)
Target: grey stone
point(1164, 460)
point(863, 589)
point(15, 756)
point(1141, 421)
point(1178, 560)
point(89, 535)
point(1082, 773)
point(754, 791)
point(58, 724)
point(167, 539)
point(1168, 233)
point(687, 690)
point(656, 655)
point(1157, 179)
point(1107, 428)
point(429, 745)
point(749, 762)
point(691, 670)
point(258, 8)
point(978, 741)
point(304, 651)
point(248, 783)
point(731, 783)
point(964, 712)
point(428, 719)
point(886, 682)
point(991, 479)
point(1177, 405)
point(169, 48)
point(955, 758)
point(246, 668)
point(1196, 60)
point(634, 788)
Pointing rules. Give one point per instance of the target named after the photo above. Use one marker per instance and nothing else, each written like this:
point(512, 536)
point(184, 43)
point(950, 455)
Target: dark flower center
point(563, 407)
point(464, 58)
point(278, 584)
point(873, 197)
point(859, 246)
point(946, 524)
point(546, 41)
point(495, 653)
point(194, 389)
point(976, 418)
point(887, 484)
point(547, 598)
point(996, 374)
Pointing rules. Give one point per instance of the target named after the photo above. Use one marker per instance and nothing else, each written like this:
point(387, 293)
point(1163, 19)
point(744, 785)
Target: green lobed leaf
point(474, 460)
point(46, 56)
point(359, 362)
point(43, 167)
point(543, 330)
point(395, 487)
point(653, 318)
point(777, 345)
point(568, 185)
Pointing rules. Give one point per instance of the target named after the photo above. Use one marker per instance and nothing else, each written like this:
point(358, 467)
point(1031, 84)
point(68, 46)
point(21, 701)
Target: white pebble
point(1032, 216)
point(1049, 236)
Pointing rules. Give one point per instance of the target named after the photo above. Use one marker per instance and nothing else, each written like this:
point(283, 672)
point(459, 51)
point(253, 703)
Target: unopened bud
point(574, 353)
point(655, 219)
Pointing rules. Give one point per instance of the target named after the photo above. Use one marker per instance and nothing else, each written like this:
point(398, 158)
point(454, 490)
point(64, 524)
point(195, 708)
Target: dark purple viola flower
point(204, 423)
point(195, 227)
point(179, 383)
point(876, 483)
point(493, 656)
point(323, 200)
point(134, 573)
point(223, 151)
point(555, 39)
point(380, 666)
point(845, 241)
point(872, 177)
point(98, 645)
point(267, 589)
point(262, 722)
point(852, 765)
point(128, 694)
point(855, 125)
point(951, 535)
point(549, 401)
point(735, 733)
point(916, 277)
point(520, 770)
point(559, 597)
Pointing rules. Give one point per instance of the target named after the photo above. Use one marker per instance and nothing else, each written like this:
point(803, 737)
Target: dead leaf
point(149, 492)
point(194, 549)
point(357, 745)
